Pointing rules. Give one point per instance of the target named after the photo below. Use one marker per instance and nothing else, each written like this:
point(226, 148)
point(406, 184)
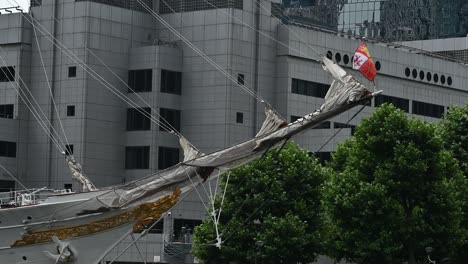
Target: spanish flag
point(362, 62)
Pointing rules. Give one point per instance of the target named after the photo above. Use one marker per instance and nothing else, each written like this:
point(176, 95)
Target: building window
point(140, 80)
point(400, 103)
point(72, 72)
point(7, 149)
point(7, 74)
point(70, 110)
point(7, 186)
point(240, 79)
point(138, 119)
point(342, 125)
point(309, 88)
point(68, 186)
point(184, 225)
point(170, 116)
point(6, 111)
point(171, 82)
point(239, 117)
point(157, 228)
point(427, 109)
point(167, 157)
point(68, 150)
point(137, 157)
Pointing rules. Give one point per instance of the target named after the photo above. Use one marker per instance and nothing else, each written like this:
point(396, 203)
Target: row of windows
point(419, 108)
point(400, 103)
point(427, 109)
point(177, 6)
point(8, 149)
point(309, 88)
point(138, 119)
point(7, 74)
point(428, 76)
point(142, 81)
point(138, 157)
point(127, 4)
point(6, 111)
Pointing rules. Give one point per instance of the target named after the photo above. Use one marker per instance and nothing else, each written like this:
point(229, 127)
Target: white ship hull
point(87, 249)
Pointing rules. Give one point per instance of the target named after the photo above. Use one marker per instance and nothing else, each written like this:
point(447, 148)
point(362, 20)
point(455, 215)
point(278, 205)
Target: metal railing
point(31, 197)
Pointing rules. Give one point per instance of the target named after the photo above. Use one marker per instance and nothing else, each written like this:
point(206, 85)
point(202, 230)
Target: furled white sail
point(78, 174)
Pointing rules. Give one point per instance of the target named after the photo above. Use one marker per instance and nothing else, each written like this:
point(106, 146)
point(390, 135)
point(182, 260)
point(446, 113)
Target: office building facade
point(129, 48)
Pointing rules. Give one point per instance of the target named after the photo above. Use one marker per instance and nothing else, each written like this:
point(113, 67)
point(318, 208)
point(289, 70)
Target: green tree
point(394, 193)
point(271, 212)
point(454, 131)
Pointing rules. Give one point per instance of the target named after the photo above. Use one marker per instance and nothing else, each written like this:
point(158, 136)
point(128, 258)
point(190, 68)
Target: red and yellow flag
point(363, 62)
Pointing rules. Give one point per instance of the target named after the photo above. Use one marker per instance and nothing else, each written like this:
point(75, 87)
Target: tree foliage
point(274, 200)
point(394, 192)
point(454, 130)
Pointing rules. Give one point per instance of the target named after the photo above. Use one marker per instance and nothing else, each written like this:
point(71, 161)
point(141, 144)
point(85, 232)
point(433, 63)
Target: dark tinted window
point(140, 80)
point(138, 119)
point(167, 157)
point(309, 88)
point(184, 225)
point(72, 71)
point(342, 125)
point(400, 103)
point(6, 111)
point(69, 149)
point(7, 74)
point(171, 82)
point(137, 157)
point(70, 110)
point(427, 109)
point(239, 117)
point(7, 186)
point(172, 117)
point(7, 149)
point(241, 79)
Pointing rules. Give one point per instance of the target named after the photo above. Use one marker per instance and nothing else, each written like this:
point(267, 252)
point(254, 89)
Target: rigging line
point(198, 51)
point(23, 96)
point(31, 107)
point(14, 178)
point(165, 123)
point(213, 213)
point(224, 195)
point(48, 84)
point(336, 133)
point(254, 212)
point(143, 233)
point(251, 92)
point(261, 32)
point(138, 249)
point(95, 75)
